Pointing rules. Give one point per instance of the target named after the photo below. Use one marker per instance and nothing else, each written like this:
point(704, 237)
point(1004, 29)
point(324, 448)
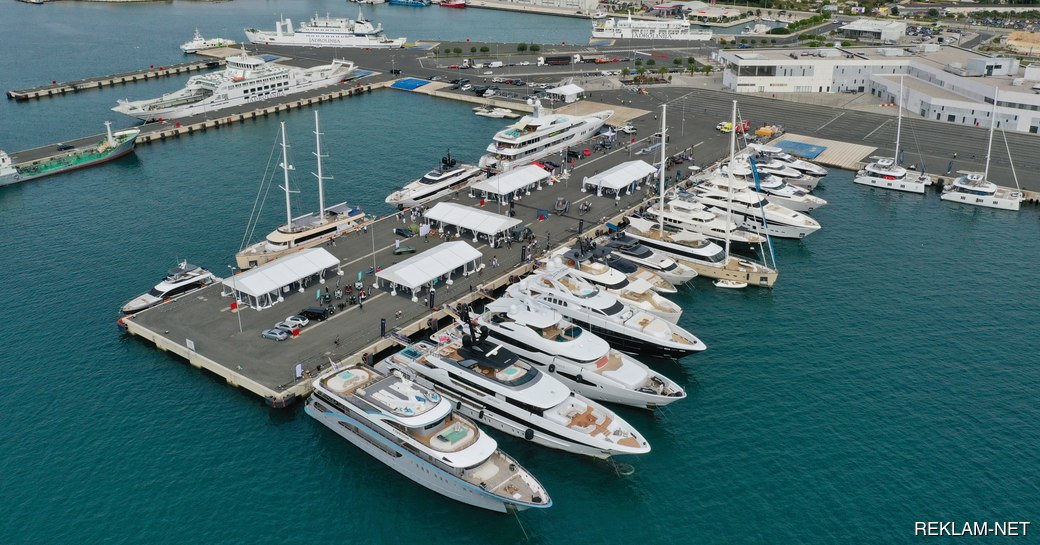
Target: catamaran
point(885, 172)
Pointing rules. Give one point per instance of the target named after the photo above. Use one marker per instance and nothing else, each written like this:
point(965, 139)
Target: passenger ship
point(326, 32)
point(245, 79)
point(414, 430)
point(665, 29)
point(539, 135)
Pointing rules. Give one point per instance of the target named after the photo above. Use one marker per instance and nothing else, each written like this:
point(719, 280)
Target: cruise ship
point(664, 29)
point(414, 430)
point(539, 135)
point(245, 79)
point(448, 177)
point(327, 32)
point(303, 231)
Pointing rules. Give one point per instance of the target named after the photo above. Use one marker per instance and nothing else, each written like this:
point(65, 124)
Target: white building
point(874, 29)
point(945, 83)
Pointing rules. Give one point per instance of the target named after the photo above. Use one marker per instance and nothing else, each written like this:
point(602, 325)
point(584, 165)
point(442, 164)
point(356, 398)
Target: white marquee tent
point(261, 287)
point(626, 175)
point(420, 270)
point(567, 93)
point(480, 222)
point(513, 181)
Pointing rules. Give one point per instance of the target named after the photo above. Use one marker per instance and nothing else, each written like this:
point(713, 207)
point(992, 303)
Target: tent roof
point(279, 273)
point(621, 175)
point(508, 182)
point(418, 270)
point(569, 89)
point(467, 217)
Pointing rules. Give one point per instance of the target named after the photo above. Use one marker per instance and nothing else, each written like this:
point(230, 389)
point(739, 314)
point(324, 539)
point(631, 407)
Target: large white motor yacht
point(687, 215)
point(639, 294)
point(580, 359)
point(245, 79)
point(633, 271)
point(790, 175)
point(182, 279)
point(327, 32)
point(414, 430)
point(489, 383)
point(702, 255)
point(772, 152)
point(539, 135)
point(973, 188)
point(750, 210)
point(663, 265)
point(626, 328)
point(774, 187)
point(448, 177)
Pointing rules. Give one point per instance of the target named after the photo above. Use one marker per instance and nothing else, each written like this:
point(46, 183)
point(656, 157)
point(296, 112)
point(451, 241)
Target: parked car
point(395, 71)
point(524, 63)
point(65, 147)
point(488, 73)
point(519, 82)
point(489, 92)
point(403, 232)
point(466, 87)
point(296, 321)
point(319, 314)
point(498, 80)
point(627, 129)
point(275, 334)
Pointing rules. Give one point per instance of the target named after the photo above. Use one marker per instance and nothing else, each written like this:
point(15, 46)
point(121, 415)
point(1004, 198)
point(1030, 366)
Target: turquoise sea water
point(890, 377)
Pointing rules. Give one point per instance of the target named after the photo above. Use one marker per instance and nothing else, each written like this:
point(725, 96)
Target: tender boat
point(458, 4)
point(182, 279)
point(414, 430)
point(626, 328)
point(489, 383)
point(578, 358)
point(198, 43)
point(540, 135)
point(729, 284)
point(449, 176)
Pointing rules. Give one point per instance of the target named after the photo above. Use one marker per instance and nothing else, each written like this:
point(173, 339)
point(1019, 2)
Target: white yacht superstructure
point(687, 215)
point(245, 79)
point(578, 358)
point(538, 135)
point(183, 278)
point(750, 208)
point(663, 265)
point(448, 177)
point(198, 43)
point(640, 29)
point(885, 172)
point(489, 383)
point(774, 187)
point(414, 430)
point(772, 152)
point(326, 32)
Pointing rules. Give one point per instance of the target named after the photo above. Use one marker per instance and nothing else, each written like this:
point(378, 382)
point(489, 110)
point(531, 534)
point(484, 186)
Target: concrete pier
point(61, 88)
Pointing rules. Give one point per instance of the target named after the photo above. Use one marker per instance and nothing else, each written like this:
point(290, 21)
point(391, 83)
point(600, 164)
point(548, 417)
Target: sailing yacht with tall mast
point(885, 172)
point(975, 188)
point(306, 231)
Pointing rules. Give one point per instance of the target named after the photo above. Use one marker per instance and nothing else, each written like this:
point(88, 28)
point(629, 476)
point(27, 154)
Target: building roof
point(569, 89)
point(272, 277)
point(433, 263)
point(474, 219)
point(874, 25)
point(508, 182)
point(621, 175)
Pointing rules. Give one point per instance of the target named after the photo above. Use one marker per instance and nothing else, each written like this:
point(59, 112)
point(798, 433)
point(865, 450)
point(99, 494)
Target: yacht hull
point(405, 463)
point(909, 186)
point(980, 200)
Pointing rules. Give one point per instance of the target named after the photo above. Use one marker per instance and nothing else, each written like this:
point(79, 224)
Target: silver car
point(275, 334)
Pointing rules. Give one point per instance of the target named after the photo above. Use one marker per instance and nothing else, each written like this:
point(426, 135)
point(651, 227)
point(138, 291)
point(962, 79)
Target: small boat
point(453, 4)
point(488, 111)
point(413, 3)
point(730, 284)
point(183, 278)
point(198, 43)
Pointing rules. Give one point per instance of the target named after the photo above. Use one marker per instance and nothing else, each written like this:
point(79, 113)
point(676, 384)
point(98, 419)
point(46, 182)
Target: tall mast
point(992, 127)
point(286, 167)
point(729, 171)
point(899, 119)
point(660, 176)
point(318, 175)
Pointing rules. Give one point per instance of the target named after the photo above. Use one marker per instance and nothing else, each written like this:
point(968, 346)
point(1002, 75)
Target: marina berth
point(640, 29)
point(491, 384)
point(625, 327)
point(538, 135)
point(632, 250)
point(577, 357)
point(326, 32)
point(449, 176)
point(245, 79)
point(414, 430)
point(182, 279)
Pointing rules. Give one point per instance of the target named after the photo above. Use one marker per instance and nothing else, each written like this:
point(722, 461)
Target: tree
point(677, 62)
point(707, 69)
point(639, 62)
point(484, 49)
point(894, 11)
point(651, 62)
point(536, 47)
point(846, 43)
point(933, 13)
point(457, 50)
point(473, 49)
point(521, 47)
point(691, 60)
point(625, 72)
point(662, 70)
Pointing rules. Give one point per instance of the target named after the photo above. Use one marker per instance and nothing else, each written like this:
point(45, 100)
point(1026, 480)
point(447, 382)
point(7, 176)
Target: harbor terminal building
point(943, 83)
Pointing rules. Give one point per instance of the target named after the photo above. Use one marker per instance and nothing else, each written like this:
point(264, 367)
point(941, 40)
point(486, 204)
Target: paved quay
point(56, 88)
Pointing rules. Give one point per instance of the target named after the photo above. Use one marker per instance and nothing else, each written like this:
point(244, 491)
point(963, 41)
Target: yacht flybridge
point(414, 430)
point(304, 231)
point(487, 382)
point(626, 328)
point(444, 179)
point(578, 358)
point(539, 135)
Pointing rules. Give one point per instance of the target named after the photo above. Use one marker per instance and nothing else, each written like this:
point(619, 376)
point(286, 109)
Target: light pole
point(234, 286)
point(375, 279)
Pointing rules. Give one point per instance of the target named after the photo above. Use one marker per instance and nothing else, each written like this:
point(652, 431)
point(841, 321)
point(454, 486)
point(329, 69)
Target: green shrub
point(521, 47)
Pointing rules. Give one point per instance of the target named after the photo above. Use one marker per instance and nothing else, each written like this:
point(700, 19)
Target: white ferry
point(665, 29)
point(326, 32)
point(245, 79)
point(539, 135)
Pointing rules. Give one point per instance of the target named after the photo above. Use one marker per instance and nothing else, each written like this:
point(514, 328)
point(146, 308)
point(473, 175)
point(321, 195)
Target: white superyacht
point(245, 79)
point(448, 177)
point(182, 279)
point(414, 430)
point(539, 135)
point(750, 210)
point(580, 359)
point(580, 263)
point(326, 31)
point(663, 265)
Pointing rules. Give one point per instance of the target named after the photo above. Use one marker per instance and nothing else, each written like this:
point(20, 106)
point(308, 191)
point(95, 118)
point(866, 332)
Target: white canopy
point(261, 285)
point(621, 176)
point(569, 92)
point(466, 217)
point(513, 180)
point(418, 270)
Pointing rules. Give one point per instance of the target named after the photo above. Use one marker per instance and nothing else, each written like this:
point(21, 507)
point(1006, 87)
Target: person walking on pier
point(494, 262)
